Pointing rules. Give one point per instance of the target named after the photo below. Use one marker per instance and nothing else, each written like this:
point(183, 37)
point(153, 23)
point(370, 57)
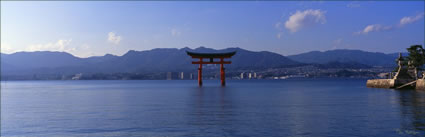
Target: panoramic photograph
point(212, 69)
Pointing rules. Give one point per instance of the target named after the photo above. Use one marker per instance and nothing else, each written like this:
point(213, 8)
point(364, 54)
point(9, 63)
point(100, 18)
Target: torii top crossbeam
point(211, 57)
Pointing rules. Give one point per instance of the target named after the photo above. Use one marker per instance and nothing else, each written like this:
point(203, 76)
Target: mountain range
point(345, 55)
point(173, 59)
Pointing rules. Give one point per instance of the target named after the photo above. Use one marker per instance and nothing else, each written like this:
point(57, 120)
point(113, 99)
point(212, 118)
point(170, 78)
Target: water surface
point(298, 107)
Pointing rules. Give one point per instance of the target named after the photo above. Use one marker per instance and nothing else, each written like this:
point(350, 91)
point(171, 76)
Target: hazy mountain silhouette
point(155, 60)
point(173, 59)
point(344, 56)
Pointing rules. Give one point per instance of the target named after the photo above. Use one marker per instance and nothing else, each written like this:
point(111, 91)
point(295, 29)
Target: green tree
point(416, 56)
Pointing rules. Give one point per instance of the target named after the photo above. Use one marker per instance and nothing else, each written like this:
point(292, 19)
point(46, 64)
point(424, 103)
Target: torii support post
point(211, 56)
point(200, 75)
point(222, 74)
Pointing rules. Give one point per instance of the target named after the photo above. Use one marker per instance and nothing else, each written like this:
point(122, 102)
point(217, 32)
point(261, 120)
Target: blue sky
point(287, 27)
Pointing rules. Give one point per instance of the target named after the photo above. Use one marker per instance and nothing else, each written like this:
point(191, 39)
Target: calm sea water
point(304, 107)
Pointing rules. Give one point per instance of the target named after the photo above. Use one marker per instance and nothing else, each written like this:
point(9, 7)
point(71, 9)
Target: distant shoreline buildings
point(248, 75)
point(272, 73)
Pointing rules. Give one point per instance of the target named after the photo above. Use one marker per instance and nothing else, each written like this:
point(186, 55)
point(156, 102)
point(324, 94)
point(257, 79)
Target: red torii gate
point(211, 56)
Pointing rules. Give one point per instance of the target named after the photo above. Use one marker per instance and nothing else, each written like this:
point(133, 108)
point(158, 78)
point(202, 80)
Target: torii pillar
point(222, 74)
point(200, 74)
point(211, 56)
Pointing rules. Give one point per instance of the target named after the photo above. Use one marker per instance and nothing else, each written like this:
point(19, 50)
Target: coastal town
point(272, 73)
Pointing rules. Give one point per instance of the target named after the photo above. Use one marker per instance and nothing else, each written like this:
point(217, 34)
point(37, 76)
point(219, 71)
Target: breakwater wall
point(392, 83)
point(380, 83)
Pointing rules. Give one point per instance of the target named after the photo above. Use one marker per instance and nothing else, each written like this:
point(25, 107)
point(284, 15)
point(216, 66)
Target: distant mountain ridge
point(160, 59)
point(173, 59)
point(345, 55)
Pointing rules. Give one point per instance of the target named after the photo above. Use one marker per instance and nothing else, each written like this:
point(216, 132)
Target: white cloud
point(113, 38)
point(305, 18)
point(278, 26)
point(175, 32)
point(6, 48)
point(375, 28)
point(60, 45)
point(403, 21)
point(411, 19)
